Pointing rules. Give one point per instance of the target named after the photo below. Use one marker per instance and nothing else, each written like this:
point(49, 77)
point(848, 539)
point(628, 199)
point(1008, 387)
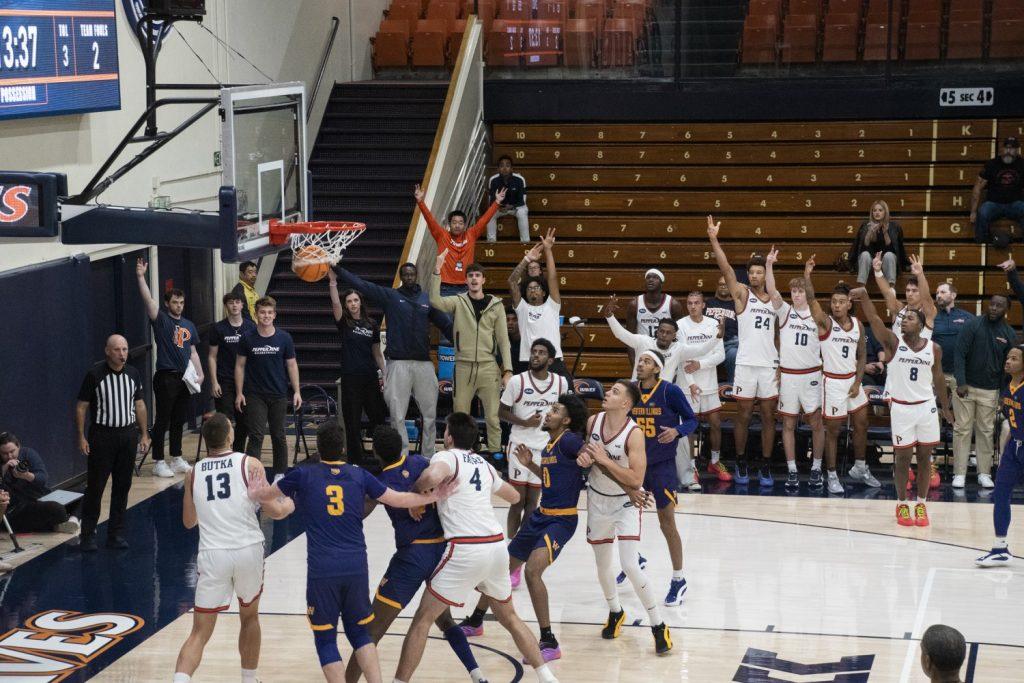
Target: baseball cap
point(1011, 142)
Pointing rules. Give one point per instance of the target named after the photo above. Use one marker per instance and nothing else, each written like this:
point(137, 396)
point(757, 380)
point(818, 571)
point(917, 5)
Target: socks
point(476, 618)
point(544, 674)
point(614, 605)
point(677, 575)
point(715, 455)
point(476, 676)
point(460, 646)
point(654, 614)
point(920, 500)
point(547, 635)
point(791, 465)
point(816, 464)
point(1000, 544)
point(182, 678)
point(860, 464)
point(248, 675)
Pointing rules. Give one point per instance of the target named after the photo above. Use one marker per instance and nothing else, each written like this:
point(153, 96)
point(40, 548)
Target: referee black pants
point(359, 393)
point(111, 454)
point(171, 397)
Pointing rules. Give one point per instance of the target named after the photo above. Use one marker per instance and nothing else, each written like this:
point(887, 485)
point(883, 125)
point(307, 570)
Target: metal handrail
point(335, 23)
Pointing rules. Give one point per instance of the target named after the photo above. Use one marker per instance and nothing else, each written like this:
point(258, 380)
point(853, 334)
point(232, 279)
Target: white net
point(310, 248)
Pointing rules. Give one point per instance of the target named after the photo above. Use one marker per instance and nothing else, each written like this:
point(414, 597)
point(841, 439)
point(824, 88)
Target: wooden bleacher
point(626, 197)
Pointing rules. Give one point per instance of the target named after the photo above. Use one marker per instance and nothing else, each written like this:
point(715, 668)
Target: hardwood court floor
point(812, 580)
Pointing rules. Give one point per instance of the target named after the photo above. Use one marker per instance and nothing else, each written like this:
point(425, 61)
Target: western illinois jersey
point(839, 349)
point(756, 332)
point(663, 406)
point(330, 496)
point(799, 347)
point(909, 374)
point(401, 476)
point(468, 513)
point(897, 321)
point(647, 319)
point(1013, 409)
point(615, 445)
point(526, 395)
point(561, 478)
point(227, 516)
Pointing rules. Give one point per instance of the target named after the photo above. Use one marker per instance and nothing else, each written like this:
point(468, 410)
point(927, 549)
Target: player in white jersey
point(616, 454)
point(703, 351)
point(913, 380)
point(647, 310)
point(843, 355)
point(477, 557)
point(524, 404)
point(800, 360)
point(757, 359)
point(664, 339)
point(230, 560)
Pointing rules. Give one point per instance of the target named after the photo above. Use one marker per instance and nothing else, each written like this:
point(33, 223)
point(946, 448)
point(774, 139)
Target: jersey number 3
point(223, 484)
point(335, 500)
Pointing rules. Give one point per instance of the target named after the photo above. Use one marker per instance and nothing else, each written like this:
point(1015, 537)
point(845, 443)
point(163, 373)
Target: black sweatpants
point(262, 414)
point(226, 405)
point(171, 397)
point(33, 515)
point(111, 454)
point(360, 393)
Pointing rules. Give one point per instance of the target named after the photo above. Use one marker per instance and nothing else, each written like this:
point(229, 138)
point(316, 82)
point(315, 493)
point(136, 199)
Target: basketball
point(310, 263)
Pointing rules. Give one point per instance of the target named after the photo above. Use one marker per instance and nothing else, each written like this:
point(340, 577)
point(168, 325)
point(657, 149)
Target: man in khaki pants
point(481, 335)
point(981, 352)
point(949, 321)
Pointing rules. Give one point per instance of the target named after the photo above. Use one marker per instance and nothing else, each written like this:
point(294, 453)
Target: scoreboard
point(58, 57)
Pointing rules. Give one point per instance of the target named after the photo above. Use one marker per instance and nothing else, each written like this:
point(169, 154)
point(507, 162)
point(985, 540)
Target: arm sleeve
point(85, 392)
point(441, 321)
point(715, 357)
point(496, 480)
point(445, 304)
point(291, 482)
point(678, 403)
point(137, 396)
point(375, 340)
point(216, 339)
point(372, 486)
point(504, 346)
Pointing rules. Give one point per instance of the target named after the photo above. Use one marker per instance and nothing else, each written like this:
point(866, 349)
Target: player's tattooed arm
point(735, 288)
point(882, 333)
point(817, 312)
point(516, 277)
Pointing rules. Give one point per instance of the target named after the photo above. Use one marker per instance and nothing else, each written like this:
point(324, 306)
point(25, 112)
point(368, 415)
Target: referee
point(111, 394)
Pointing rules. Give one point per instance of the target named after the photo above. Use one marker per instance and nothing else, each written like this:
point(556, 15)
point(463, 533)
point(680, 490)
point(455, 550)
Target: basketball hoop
point(315, 242)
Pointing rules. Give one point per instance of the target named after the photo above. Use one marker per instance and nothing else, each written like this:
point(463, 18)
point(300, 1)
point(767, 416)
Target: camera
point(22, 466)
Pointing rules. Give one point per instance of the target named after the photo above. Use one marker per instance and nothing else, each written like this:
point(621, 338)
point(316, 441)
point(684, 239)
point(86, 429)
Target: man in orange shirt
point(460, 242)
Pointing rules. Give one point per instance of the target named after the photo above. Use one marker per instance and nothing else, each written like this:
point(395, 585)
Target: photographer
point(23, 477)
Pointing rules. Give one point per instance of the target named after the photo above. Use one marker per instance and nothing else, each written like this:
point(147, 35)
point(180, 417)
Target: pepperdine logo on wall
point(135, 10)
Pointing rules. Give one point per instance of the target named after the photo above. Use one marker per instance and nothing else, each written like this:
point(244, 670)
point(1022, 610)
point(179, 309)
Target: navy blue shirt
point(331, 496)
point(174, 341)
point(1013, 408)
point(723, 308)
point(401, 476)
point(357, 342)
point(265, 370)
point(515, 188)
point(226, 337)
point(945, 331)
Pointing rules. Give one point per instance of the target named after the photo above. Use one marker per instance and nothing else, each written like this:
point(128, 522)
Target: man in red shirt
point(460, 242)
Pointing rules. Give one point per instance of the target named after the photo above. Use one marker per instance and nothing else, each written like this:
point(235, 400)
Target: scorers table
point(58, 57)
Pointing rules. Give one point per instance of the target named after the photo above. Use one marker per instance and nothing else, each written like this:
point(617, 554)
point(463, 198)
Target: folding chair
point(317, 407)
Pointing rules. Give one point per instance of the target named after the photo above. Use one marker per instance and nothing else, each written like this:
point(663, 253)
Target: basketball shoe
point(720, 471)
point(815, 481)
point(676, 590)
point(997, 557)
point(920, 515)
point(792, 482)
point(161, 469)
point(903, 517)
point(662, 639)
point(613, 627)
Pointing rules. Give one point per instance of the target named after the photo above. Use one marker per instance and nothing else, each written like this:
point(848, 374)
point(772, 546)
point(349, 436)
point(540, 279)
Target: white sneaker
point(72, 526)
point(864, 476)
point(997, 557)
point(179, 466)
point(833, 483)
point(985, 481)
point(958, 481)
point(160, 469)
point(694, 486)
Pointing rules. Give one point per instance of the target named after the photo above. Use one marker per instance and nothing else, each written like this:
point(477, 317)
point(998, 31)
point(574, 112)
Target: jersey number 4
point(223, 486)
point(475, 479)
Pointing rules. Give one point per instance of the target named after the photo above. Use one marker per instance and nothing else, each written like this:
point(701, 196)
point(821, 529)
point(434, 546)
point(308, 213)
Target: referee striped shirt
point(111, 395)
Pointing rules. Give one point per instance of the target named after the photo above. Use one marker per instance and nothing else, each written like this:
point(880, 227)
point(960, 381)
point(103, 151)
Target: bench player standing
point(230, 560)
point(524, 402)
point(645, 313)
point(476, 555)
point(913, 379)
point(665, 417)
point(617, 458)
point(331, 494)
point(800, 379)
point(1011, 463)
point(757, 359)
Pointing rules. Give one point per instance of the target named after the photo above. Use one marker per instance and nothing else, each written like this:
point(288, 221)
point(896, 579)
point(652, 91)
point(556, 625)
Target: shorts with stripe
point(799, 392)
point(410, 566)
point(472, 564)
point(227, 572)
point(754, 382)
point(611, 517)
point(705, 404)
point(517, 474)
point(347, 597)
point(914, 424)
point(543, 530)
point(836, 401)
point(662, 479)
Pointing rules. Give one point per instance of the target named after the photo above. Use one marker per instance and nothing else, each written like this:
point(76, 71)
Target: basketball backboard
point(263, 155)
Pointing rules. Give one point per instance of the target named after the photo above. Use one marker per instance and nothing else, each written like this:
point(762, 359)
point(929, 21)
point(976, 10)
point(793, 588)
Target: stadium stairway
point(372, 149)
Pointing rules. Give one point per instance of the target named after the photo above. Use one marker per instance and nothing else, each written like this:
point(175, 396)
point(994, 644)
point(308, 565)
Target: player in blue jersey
point(550, 527)
point(331, 494)
point(1011, 464)
point(420, 545)
point(664, 416)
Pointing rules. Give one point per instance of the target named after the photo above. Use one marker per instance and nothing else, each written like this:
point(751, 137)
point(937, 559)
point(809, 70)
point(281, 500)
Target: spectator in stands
point(514, 202)
point(23, 476)
point(874, 365)
point(362, 366)
point(178, 371)
point(458, 242)
point(263, 369)
point(224, 338)
point(538, 311)
point(515, 341)
point(481, 334)
point(878, 234)
point(1013, 278)
point(1002, 178)
point(246, 289)
point(950, 320)
point(722, 307)
point(978, 363)
point(943, 650)
point(409, 371)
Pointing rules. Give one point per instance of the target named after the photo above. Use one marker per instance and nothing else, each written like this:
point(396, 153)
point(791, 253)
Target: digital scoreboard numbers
point(58, 57)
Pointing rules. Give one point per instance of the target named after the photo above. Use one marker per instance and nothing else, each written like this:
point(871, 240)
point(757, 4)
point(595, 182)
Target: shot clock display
point(58, 57)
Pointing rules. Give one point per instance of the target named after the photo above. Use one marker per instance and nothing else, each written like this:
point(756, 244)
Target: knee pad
point(327, 646)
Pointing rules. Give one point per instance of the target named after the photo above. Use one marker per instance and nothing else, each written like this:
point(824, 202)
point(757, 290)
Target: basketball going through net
point(316, 245)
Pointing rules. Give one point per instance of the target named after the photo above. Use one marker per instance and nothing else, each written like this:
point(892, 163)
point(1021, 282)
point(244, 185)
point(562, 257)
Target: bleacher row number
point(965, 131)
